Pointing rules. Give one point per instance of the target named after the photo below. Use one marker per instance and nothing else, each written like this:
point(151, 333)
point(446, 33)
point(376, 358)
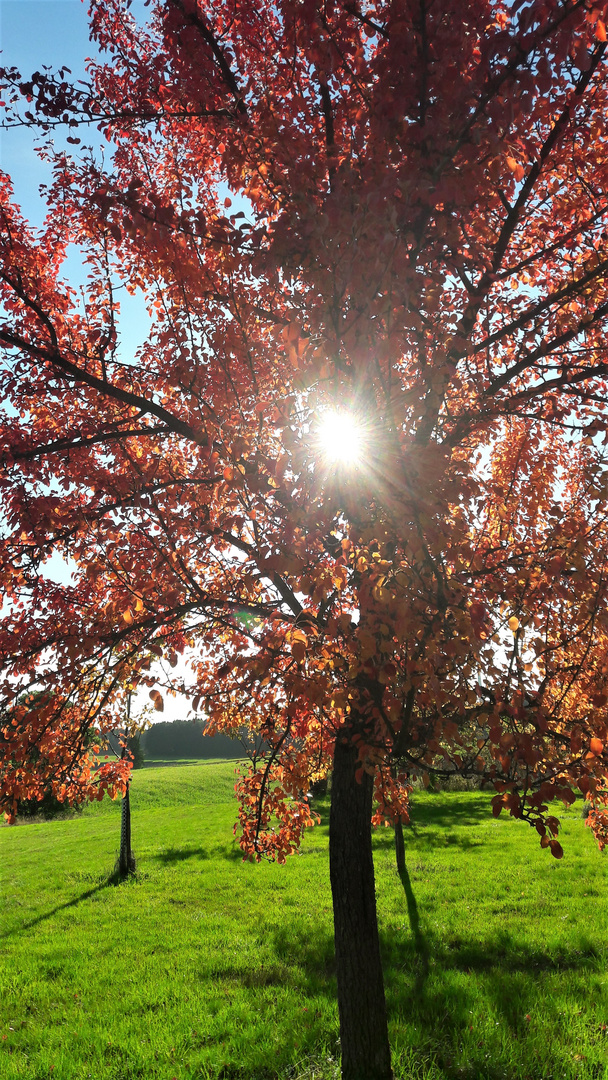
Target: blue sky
point(35, 33)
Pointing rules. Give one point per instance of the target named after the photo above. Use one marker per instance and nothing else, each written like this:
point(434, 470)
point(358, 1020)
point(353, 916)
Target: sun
point(341, 440)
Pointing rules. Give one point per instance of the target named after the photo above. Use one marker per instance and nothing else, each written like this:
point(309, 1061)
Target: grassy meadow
point(202, 966)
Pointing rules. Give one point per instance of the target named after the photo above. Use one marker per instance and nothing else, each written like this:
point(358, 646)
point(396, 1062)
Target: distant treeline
point(185, 739)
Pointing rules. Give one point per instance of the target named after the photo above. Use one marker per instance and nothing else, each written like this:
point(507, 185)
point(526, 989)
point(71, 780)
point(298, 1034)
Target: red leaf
point(556, 849)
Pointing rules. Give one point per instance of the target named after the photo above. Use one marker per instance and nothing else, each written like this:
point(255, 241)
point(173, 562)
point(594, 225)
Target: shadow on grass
point(172, 856)
point(433, 983)
point(313, 951)
point(168, 763)
point(320, 806)
point(436, 824)
point(115, 878)
point(434, 812)
point(178, 855)
point(436, 985)
point(446, 808)
point(428, 840)
point(498, 955)
point(419, 940)
point(233, 854)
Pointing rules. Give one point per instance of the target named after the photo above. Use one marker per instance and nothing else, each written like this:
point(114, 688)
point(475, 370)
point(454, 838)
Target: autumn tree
point(381, 221)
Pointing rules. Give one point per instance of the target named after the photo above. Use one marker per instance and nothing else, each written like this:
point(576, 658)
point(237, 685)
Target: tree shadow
point(174, 855)
point(469, 808)
point(232, 854)
point(313, 952)
point(435, 823)
point(503, 973)
point(170, 763)
point(420, 942)
point(177, 855)
point(115, 878)
point(430, 840)
point(320, 806)
point(435, 983)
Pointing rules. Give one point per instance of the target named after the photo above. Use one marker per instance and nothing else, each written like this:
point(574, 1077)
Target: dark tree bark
point(126, 859)
point(361, 1001)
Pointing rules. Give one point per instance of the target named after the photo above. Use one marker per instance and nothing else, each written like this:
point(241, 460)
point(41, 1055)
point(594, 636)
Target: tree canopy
point(391, 215)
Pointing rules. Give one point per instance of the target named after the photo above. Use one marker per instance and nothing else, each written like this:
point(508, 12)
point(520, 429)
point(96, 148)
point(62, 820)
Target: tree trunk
point(126, 859)
point(361, 1003)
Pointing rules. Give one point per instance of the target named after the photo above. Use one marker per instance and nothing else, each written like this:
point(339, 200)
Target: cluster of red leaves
point(272, 814)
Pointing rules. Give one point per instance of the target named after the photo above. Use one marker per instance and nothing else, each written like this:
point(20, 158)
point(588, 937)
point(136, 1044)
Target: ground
point(202, 966)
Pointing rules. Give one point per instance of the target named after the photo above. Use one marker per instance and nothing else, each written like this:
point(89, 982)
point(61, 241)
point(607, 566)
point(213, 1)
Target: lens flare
point(341, 438)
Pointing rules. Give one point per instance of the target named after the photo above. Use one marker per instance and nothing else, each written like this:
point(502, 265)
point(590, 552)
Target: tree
point(417, 244)
point(126, 858)
point(187, 739)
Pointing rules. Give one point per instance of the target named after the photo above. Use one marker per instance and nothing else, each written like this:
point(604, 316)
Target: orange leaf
point(156, 698)
point(298, 651)
point(516, 168)
point(596, 746)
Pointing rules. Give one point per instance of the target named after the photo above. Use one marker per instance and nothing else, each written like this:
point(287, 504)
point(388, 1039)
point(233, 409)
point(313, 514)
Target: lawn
point(203, 966)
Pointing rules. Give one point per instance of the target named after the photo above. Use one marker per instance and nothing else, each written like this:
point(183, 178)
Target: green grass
point(203, 966)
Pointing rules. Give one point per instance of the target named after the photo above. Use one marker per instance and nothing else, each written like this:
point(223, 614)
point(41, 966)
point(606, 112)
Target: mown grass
point(203, 966)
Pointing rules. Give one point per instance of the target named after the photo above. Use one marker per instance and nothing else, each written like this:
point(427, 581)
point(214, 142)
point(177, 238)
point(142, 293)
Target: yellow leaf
point(513, 623)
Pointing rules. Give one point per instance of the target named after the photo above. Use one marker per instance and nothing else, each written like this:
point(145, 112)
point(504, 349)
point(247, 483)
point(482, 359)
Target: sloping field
point(205, 966)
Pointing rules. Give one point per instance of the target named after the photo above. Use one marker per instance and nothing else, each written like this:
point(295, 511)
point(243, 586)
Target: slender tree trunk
point(362, 1006)
point(126, 859)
